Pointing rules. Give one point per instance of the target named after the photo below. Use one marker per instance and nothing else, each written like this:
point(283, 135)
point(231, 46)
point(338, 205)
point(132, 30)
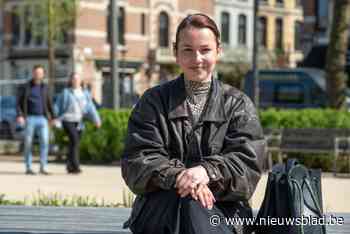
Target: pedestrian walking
point(72, 106)
point(34, 111)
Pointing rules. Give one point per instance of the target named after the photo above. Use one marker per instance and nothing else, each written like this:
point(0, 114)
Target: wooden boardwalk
point(72, 220)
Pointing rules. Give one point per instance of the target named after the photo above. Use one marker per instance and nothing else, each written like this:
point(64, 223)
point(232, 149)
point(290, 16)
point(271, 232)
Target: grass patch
point(59, 200)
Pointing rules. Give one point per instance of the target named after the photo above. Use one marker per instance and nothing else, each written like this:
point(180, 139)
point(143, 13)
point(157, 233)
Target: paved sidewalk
point(105, 182)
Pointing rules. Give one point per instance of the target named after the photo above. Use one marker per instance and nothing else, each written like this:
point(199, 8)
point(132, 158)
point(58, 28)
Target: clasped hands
point(195, 181)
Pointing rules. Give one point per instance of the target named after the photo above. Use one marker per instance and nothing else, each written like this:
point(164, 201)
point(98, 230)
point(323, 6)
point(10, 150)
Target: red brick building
point(146, 33)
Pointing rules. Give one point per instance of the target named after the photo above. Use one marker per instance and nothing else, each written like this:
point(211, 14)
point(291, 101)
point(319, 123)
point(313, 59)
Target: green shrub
point(100, 145)
point(105, 144)
point(305, 118)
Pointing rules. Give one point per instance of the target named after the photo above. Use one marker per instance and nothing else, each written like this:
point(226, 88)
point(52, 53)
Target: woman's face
point(197, 53)
point(76, 81)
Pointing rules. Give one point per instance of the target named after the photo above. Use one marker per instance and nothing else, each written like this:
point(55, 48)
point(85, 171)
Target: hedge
point(106, 144)
point(305, 118)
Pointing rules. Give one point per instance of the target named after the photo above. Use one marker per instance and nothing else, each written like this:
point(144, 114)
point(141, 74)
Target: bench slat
point(64, 220)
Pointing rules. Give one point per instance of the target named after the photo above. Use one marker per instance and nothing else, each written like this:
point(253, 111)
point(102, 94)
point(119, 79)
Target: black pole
point(114, 55)
point(255, 54)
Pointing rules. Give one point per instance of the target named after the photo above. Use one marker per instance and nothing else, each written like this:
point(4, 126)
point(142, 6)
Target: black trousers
point(71, 128)
point(165, 212)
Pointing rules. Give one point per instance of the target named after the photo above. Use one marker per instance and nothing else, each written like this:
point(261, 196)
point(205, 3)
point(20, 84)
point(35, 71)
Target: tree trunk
point(336, 54)
point(51, 48)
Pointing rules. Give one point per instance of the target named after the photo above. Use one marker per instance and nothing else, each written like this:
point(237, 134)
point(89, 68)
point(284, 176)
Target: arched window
point(297, 35)
point(40, 25)
point(121, 25)
point(263, 31)
point(143, 24)
point(1, 29)
point(16, 27)
point(242, 29)
point(225, 27)
point(28, 25)
point(279, 34)
point(163, 29)
point(279, 2)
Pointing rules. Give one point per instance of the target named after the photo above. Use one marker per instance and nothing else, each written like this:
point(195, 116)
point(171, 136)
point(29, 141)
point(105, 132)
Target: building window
point(242, 29)
point(225, 27)
point(121, 25)
point(143, 24)
point(163, 29)
point(16, 27)
point(64, 36)
point(297, 35)
point(262, 31)
point(322, 14)
point(28, 26)
point(1, 29)
point(279, 34)
point(39, 26)
point(279, 2)
point(108, 24)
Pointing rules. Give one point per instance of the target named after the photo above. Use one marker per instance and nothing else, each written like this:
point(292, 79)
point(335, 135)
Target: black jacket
point(22, 101)
point(228, 141)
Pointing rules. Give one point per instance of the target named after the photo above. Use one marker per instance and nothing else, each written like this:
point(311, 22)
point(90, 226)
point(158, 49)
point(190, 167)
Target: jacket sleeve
point(235, 172)
point(91, 110)
point(20, 102)
point(58, 105)
point(49, 104)
point(146, 166)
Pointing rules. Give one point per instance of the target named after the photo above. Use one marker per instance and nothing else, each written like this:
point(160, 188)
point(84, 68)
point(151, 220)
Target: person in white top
point(74, 104)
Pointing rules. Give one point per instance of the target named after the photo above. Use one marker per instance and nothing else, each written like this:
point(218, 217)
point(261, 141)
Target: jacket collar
point(214, 111)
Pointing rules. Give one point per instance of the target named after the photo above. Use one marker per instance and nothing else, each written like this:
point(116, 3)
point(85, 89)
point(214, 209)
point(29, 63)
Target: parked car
point(289, 88)
point(9, 129)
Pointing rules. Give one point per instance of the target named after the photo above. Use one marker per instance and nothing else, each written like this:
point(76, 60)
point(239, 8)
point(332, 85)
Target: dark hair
point(197, 20)
point(37, 66)
point(71, 76)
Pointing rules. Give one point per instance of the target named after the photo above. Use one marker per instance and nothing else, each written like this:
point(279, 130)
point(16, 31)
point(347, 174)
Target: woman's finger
point(179, 177)
point(208, 199)
point(197, 190)
point(201, 198)
point(212, 195)
point(194, 194)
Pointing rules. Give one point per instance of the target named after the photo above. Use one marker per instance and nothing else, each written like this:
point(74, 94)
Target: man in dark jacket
point(34, 110)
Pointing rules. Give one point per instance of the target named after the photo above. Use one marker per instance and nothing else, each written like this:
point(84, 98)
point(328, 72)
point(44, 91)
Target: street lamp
point(113, 54)
point(122, 76)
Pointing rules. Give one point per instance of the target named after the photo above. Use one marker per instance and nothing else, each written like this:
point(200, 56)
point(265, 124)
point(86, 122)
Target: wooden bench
point(62, 220)
point(73, 220)
point(308, 140)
